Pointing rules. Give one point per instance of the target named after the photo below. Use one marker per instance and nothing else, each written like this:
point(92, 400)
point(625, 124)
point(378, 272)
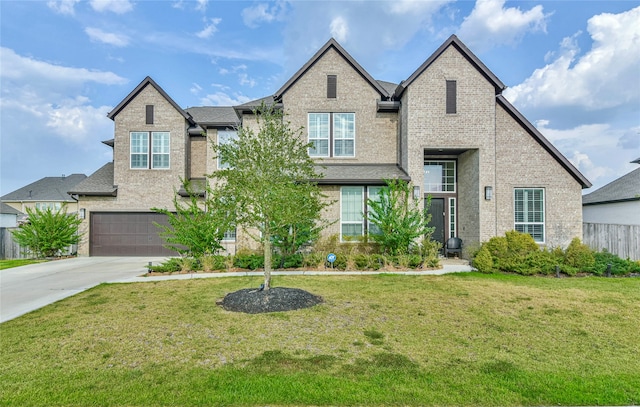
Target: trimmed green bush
point(483, 261)
point(579, 256)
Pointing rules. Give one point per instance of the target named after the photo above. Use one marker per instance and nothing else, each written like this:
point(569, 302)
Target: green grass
point(463, 340)
point(5, 264)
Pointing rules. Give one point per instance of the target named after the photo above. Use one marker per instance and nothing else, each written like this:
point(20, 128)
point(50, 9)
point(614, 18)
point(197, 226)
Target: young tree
point(196, 227)
point(48, 231)
point(398, 217)
point(267, 180)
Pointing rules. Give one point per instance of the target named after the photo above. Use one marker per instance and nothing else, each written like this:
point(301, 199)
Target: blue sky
point(571, 67)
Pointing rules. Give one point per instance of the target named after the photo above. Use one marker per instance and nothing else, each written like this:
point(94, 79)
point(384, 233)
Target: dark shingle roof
point(625, 188)
point(6, 209)
point(47, 189)
point(100, 183)
point(214, 116)
point(359, 174)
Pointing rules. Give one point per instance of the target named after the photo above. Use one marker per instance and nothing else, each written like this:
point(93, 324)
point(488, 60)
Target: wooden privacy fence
point(9, 249)
point(623, 240)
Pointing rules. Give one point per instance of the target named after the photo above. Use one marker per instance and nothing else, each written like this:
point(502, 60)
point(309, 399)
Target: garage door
point(127, 234)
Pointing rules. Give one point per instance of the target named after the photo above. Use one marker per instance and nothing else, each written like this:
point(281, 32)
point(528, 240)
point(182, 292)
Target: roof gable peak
point(331, 43)
point(453, 41)
point(146, 82)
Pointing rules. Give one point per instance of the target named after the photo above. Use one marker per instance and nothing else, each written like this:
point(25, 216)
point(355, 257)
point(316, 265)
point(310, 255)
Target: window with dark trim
point(529, 212)
point(451, 97)
point(149, 114)
point(332, 86)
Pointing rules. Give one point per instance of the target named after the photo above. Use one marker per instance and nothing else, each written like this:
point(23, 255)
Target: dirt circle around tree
point(276, 299)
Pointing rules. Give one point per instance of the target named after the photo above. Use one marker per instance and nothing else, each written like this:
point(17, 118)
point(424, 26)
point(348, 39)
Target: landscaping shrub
point(212, 263)
point(509, 253)
point(172, 265)
point(579, 256)
point(542, 262)
point(483, 260)
point(361, 261)
point(248, 260)
point(293, 261)
point(618, 266)
point(313, 260)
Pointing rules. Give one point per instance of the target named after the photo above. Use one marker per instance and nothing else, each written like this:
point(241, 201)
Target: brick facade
point(491, 144)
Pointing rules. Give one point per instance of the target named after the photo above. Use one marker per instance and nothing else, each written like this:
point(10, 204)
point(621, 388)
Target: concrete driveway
point(27, 288)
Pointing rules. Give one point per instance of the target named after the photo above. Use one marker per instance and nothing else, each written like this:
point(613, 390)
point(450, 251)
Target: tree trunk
point(267, 260)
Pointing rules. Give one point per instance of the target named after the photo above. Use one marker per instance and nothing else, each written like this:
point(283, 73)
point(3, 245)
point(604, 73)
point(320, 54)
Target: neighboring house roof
point(625, 188)
point(470, 56)
point(359, 174)
point(332, 43)
point(252, 105)
point(47, 189)
point(219, 116)
point(109, 142)
point(145, 82)
point(543, 141)
point(9, 210)
point(100, 183)
point(636, 161)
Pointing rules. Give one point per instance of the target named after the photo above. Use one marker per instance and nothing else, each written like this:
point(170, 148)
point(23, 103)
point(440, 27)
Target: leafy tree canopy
point(48, 232)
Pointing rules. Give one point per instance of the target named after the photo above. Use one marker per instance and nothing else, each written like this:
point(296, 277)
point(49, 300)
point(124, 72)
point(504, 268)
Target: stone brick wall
point(472, 128)
point(142, 189)
point(376, 133)
point(523, 163)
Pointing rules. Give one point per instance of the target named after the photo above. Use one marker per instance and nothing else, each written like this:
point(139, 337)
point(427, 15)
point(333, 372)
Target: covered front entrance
point(127, 234)
point(440, 188)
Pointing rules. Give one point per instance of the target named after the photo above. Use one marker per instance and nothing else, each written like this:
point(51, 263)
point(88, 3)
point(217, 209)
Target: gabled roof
point(625, 188)
point(332, 43)
point(253, 105)
point(100, 183)
point(51, 189)
point(546, 144)
point(453, 41)
point(147, 81)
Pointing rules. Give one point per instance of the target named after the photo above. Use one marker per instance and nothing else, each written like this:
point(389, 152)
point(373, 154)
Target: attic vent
point(451, 97)
point(149, 114)
point(332, 85)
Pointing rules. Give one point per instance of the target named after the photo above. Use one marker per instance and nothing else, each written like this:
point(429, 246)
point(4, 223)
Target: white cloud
point(339, 29)
point(96, 34)
point(76, 121)
point(262, 12)
point(245, 80)
point(201, 5)
point(195, 88)
point(63, 6)
point(223, 99)
point(491, 24)
point(415, 6)
point(209, 29)
point(597, 80)
point(115, 6)
point(30, 70)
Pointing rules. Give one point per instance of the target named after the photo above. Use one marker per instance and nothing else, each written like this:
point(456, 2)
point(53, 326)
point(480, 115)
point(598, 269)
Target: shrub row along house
point(447, 129)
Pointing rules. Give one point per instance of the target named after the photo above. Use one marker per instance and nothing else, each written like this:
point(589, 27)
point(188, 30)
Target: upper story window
point(225, 137)
point(332, 134)
point(452, 97)
point(150, 150)
point(440, 176)
point(54, 206)
point(529, 212)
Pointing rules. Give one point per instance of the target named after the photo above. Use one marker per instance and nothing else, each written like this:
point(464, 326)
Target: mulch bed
point(276, 299)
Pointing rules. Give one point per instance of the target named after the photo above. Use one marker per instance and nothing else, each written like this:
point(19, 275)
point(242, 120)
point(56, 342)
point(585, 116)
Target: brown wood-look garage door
point(127, 234)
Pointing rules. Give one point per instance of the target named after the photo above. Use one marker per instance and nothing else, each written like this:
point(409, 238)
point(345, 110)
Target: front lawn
point(5, 264)
point(464, 339)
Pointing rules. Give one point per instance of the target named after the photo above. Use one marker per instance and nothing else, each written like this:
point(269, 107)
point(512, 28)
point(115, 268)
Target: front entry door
point(437, 219)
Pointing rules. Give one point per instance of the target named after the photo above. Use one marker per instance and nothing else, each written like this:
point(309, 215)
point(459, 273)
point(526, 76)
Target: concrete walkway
point(28, 288)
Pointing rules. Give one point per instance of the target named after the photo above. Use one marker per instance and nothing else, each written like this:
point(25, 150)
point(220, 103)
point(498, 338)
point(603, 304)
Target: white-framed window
point(351, 212)
point(225, 137)
point(332, 134)
point(452, 217)
point(54, 206)
point(229, 236)
point(155, 144)
point(440, 176)
point(529, 212)
point(139, 149)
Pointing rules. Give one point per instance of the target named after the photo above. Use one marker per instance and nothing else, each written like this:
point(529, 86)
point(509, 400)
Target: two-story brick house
point(447, 129)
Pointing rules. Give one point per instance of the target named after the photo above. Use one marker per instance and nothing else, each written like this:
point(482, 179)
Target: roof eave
point(546, 144)
point(332, 43)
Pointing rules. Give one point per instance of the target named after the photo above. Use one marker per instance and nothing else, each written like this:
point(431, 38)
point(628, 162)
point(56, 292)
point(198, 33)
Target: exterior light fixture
point(488, 193)
point(82, 213)
point(416, 192)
